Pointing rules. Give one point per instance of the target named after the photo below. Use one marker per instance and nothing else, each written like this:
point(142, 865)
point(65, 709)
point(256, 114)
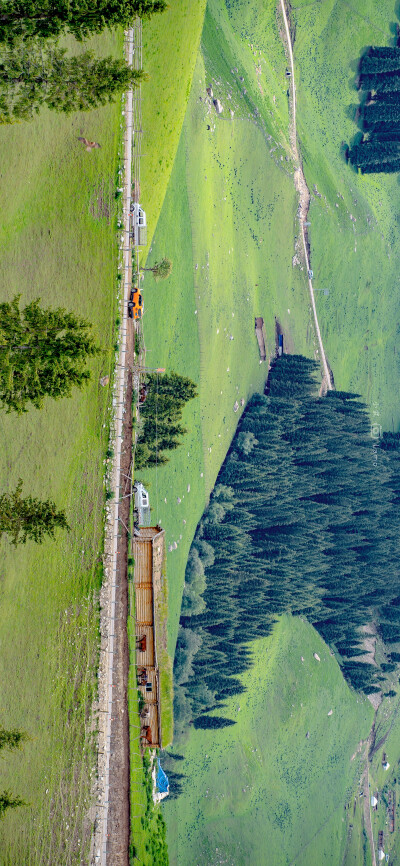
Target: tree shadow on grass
point(394, 27)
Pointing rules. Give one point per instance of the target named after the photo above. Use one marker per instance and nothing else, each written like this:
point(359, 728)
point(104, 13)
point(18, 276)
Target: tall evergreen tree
point(42, 353)
point(27, 518)
point(27, 18)
point(41, 74)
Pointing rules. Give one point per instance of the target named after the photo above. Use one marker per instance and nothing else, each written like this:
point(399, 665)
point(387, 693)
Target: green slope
point(229, 208)
point(57, 240)
point(263, 792)
point(355, 259)
point(231, 186)
point(170, 46)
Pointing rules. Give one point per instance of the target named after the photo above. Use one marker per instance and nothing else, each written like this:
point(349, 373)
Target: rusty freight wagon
point(148, 548)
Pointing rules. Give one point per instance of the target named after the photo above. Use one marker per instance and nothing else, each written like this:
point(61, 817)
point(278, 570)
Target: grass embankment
point(383, 781)
point(229, 208)
point(263, 789)
point(57, 239)
point(170, 46)
point(164, 662)
point(355, 230)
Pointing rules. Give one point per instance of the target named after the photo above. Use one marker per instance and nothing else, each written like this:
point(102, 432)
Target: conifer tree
point(27, 518)
point(41, 74)
point(42, 353)
point(49, 18)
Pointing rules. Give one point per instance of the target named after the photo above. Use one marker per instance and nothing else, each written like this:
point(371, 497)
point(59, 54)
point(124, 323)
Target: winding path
point(304, 198)
point(304, 202)
point(367, 812)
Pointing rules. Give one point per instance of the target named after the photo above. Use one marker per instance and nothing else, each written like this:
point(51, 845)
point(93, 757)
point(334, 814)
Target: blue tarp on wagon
point(162, 780)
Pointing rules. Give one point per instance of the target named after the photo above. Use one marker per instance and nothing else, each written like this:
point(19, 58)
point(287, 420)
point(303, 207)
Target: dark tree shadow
point(394, 34)
point(346, 148)
point(356, 64)
point(352, 111)
point(344, 151)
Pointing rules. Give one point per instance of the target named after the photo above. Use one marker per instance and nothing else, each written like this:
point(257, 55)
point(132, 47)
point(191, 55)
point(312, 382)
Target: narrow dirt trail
point(304, 197)
point(367, 812)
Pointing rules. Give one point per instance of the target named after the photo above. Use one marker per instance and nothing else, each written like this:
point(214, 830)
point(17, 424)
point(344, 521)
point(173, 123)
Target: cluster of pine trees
point(379, 83)
point(303, 518)
point(161, 414)
point(35, 71)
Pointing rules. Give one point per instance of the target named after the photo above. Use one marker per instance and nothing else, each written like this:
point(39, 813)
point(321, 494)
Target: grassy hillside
point(229, 204)
point(263, 786)
point(57, 241)
point(229, 224)
point(170, 46)
point(383, 781)
point(355, 229)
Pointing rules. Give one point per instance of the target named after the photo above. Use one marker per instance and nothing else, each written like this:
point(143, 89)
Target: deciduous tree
point(12, 739)
point(160, 270)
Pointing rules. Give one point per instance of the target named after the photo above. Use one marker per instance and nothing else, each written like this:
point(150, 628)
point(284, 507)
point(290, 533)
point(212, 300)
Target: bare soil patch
point(100, 205)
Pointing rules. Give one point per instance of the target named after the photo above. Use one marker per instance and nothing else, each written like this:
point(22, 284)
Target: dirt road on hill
point(304, 195)
point(367, 813)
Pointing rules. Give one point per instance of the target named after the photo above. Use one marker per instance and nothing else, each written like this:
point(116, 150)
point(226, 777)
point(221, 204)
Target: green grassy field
point(57, 240)
point(200, 322)
point(229, 224)
point(355, 258)
point(170, 45)
point(262, 791)
point(383, 781)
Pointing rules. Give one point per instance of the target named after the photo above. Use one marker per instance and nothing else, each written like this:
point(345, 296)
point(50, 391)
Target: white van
point(142, 504)
point(138, 225)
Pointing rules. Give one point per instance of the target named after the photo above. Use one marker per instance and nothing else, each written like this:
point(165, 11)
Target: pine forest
point(304, 518)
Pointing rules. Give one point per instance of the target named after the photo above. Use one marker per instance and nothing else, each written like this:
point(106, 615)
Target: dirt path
point(304, 203)
point(112, 818)
point(367, 812)
point(304, 196)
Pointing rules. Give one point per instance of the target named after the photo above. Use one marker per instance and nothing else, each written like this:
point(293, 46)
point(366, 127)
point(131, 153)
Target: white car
point(142, 505)
point(141, 496)
point(138, 225)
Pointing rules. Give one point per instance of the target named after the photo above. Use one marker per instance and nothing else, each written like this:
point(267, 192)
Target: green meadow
point(229, 208)
point(229, 224)
point(273, 788)
point(355, 230)
point(59, 241)
point(170, 46)
point(387, 729)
